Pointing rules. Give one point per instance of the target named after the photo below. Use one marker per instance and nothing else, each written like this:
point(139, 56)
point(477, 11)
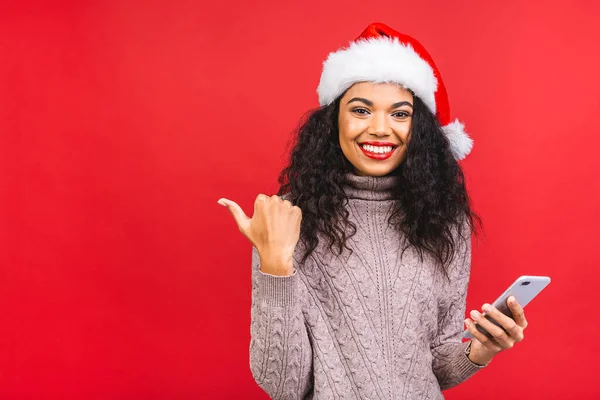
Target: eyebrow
point(370, 103)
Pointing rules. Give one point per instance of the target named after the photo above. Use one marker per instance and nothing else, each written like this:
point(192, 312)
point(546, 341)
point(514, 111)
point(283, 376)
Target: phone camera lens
point(525, 283)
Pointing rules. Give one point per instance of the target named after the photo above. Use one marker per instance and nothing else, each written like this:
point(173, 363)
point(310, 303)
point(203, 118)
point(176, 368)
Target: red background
point(122, 123)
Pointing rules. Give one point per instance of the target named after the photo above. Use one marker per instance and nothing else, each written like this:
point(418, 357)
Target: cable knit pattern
point(371, 325)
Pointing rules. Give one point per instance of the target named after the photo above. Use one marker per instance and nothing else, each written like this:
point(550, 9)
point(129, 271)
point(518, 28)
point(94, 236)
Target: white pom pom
point(460, 143)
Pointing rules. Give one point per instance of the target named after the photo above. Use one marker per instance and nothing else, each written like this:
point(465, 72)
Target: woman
point(370, 303)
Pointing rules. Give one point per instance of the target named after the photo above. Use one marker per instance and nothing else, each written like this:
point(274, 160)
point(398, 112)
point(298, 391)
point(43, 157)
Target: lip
point(378, 156)
point(379, 144)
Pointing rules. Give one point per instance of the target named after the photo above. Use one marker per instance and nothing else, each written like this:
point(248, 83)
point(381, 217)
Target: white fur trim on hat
point(460, 143)
point(377, 60)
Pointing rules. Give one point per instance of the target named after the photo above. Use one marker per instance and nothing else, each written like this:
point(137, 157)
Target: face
point(374, 126)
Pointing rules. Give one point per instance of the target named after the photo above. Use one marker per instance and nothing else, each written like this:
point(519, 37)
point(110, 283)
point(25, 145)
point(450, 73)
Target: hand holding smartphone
point(524, 289)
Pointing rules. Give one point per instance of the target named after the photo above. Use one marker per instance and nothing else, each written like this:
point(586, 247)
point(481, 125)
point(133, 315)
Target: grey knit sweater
point(371, 325)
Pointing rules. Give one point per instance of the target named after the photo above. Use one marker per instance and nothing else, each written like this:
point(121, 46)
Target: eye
point(361, 111)
point(401, 114)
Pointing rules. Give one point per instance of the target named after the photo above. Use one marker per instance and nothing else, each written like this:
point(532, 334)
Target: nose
point(379, 125)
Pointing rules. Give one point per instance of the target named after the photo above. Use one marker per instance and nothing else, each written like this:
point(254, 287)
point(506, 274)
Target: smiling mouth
point(377, 149)
point(378, 152)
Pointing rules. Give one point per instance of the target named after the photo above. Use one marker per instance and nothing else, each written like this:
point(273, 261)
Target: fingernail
point(487, 308)
point(474, 315)
point(467, 322)
point(511, 300)
point(221, 202)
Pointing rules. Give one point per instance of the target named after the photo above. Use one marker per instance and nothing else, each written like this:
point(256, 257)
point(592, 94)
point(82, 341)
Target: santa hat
point(381, 54)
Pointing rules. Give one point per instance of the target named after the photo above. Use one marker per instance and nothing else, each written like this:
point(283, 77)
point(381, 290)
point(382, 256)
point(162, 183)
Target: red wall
point(122, 123)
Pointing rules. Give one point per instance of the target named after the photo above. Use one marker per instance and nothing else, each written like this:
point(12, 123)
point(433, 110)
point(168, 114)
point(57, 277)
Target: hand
point(483, 349)
point(274, 230)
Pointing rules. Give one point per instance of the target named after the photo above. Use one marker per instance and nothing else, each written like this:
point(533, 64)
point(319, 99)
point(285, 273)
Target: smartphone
point(525, 288)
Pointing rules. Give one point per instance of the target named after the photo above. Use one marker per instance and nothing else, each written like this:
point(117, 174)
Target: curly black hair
point(432, 200)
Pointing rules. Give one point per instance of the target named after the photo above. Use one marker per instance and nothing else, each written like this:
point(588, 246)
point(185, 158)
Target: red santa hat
point(381, 54)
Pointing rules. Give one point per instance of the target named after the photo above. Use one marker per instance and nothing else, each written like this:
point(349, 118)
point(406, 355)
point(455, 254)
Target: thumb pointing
point(241, 219)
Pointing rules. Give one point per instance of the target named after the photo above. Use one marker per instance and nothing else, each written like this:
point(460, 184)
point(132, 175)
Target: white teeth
point(377, 149)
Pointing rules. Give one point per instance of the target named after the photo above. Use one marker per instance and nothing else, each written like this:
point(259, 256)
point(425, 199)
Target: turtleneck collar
point(370, 187)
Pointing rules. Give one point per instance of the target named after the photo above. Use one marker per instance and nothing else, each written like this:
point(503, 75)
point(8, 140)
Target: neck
point(370, 187)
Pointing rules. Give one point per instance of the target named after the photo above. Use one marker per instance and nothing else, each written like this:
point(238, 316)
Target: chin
point(375, 171)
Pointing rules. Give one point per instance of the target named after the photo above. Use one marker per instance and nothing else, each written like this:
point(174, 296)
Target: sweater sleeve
point(280, 350)
point(451, 365)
